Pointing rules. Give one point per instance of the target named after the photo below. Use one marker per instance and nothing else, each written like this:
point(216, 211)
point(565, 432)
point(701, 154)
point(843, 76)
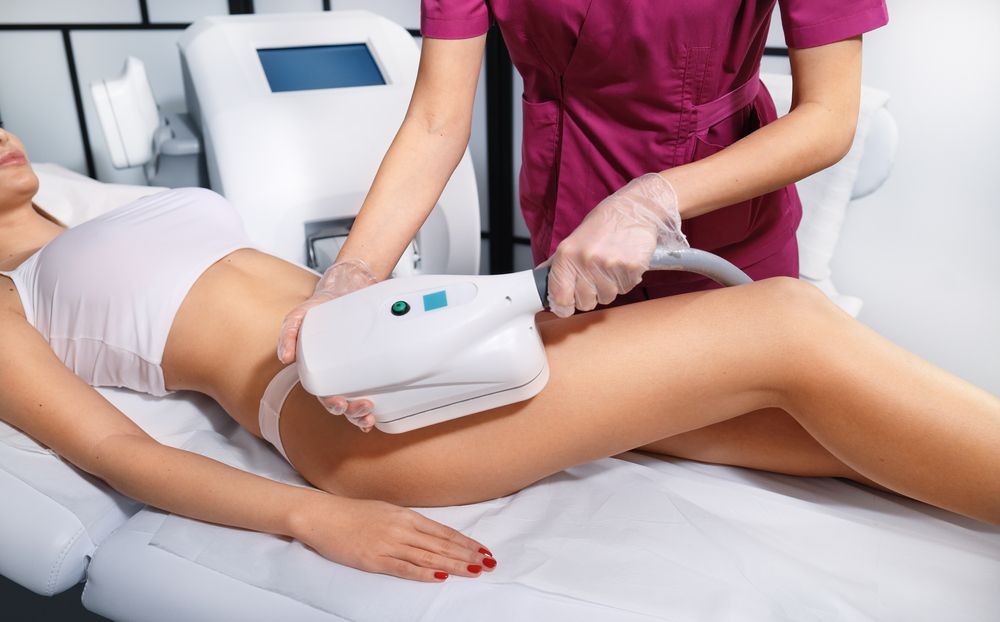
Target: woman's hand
point(610, 250)
point(340, 279)
point(380, 537)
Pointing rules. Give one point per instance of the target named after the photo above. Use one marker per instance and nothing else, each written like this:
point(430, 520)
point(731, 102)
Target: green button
point(400, 307)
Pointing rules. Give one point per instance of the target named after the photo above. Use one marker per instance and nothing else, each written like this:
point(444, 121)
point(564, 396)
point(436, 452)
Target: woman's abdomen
point(223, 341)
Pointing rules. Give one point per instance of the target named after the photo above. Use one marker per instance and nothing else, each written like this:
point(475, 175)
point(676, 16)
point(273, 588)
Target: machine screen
point(319, 67)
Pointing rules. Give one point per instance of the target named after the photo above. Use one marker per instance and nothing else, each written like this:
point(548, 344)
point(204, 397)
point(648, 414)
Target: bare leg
point(766, 440)
point(628, 377)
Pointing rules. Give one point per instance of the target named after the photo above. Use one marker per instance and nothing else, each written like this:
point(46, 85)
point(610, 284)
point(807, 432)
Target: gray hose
point(687, 260)
point(699, 262)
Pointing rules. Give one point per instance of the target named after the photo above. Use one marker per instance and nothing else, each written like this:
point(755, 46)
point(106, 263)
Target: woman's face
point(18, 182)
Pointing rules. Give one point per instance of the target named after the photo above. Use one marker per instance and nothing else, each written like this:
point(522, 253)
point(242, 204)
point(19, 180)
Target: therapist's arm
point(816, 133)
point(48, 402)
point(427, 148)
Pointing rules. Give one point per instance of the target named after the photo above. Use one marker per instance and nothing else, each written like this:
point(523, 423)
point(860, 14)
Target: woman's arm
point(51, 404)
point(816, 133)
point(422, 157)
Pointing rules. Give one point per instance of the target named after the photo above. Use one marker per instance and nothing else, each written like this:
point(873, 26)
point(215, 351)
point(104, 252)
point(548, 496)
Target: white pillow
point(73, 198)
point(826, 194)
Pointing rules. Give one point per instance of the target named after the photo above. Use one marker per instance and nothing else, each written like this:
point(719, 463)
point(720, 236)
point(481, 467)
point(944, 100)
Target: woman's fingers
point(462, 555)
point(434, 528)
point(359, 412)
point(433, 561)
point(407, 570)
point(585, 295)
point(336, 404)
point(357, 409)
point(289, 334)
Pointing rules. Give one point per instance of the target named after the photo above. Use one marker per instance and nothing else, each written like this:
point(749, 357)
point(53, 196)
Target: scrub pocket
point(538, 149)
point(731, 224)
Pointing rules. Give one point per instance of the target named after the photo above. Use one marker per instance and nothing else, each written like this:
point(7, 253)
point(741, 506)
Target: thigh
point(620, 379)
point(769, 439)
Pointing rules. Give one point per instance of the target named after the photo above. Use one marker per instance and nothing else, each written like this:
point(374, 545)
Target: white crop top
point(104, 293)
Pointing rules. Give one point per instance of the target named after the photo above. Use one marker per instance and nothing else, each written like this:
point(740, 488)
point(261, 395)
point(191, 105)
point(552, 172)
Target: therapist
point(645, 122)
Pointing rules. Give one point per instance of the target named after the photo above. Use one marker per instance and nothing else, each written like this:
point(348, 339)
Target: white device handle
point(687, 260)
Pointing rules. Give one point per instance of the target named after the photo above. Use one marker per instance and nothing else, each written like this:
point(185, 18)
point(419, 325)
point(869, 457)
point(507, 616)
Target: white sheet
point(633, 539)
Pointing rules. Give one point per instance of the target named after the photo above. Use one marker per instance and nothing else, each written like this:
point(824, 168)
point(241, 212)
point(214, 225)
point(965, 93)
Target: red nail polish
point(474, 568)
point(485, 551)
point(489, 562)
point(441, 575)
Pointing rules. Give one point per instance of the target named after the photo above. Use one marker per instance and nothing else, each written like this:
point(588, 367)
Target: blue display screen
point(436, 300)
point(319, 67)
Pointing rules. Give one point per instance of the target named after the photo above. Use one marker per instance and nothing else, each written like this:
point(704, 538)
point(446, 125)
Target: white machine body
point(128, 114)
point(427, 349)
point(296, 113)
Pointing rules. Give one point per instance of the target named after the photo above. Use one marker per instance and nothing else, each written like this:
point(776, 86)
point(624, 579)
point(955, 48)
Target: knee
point(794, 294)
point(794, 304)
point(797, 323)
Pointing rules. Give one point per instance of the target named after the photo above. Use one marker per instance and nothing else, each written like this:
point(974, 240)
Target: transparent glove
point(610, 250)
point(340, 279)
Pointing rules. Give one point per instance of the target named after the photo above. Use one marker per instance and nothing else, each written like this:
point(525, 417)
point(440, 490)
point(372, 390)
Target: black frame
point(500, 152)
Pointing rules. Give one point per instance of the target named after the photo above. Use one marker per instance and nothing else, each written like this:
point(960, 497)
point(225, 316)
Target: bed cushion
point(55, 515)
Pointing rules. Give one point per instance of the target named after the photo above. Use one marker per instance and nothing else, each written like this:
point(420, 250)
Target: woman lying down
point(166, 294)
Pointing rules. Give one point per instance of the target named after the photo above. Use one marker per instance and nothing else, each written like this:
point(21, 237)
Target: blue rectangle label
point(435, 300)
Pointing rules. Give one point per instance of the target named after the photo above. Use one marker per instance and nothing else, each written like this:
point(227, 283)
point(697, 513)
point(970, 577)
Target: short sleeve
point(454, 19)
point(809, 23)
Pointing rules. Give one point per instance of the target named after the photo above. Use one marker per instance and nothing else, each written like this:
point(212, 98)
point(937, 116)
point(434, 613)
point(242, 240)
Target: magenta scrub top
point(617, 88)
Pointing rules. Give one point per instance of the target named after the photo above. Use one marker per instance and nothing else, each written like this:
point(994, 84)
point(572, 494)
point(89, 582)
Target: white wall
point(924, 251)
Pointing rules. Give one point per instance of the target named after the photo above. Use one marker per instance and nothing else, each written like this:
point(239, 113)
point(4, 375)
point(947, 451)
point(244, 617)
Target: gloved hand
point(340, 279)
point(610, 250)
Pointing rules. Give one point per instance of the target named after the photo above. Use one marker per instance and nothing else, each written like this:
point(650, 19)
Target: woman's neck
point(22, 232)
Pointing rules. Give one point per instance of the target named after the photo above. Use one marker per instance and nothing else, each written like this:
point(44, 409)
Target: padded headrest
point(879, 154)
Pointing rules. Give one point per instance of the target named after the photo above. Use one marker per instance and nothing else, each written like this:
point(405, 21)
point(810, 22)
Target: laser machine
point(289, 117)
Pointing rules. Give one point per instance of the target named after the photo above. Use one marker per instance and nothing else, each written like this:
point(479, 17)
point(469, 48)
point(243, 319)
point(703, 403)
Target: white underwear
point(271, 402)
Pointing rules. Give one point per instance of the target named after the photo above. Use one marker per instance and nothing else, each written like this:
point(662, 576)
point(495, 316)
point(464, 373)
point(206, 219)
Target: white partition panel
point(68, 11)
point(40, 112)
point(405, 12)
point(776, 36)
point(286, 6)
point(179, 11)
